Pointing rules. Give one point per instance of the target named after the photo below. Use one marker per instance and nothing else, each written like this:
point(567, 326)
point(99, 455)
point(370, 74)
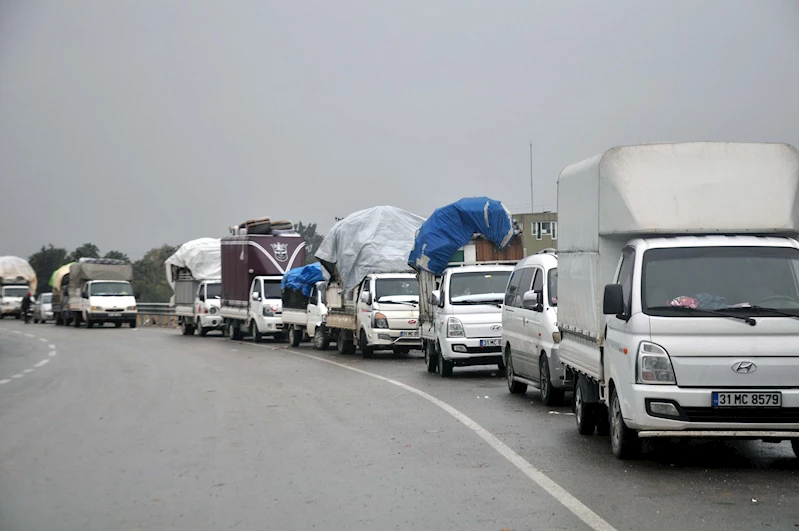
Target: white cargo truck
point(194, 272)
point(679, 292)
point(17, 279)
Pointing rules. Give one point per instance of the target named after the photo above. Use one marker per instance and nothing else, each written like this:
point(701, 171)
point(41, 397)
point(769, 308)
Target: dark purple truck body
point(253, 255)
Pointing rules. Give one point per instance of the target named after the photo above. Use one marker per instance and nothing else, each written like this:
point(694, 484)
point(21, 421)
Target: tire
point(550, 396)
point(118, 324)
point(320, 339)
point(624, 442)
point(203, 331)
point(187, 331)
point(295, 336)
point(233, 331)
point(430, 357)
point(444, 366)
point(583, 411)
point(89, 323)
point(795, 446)
point(367, 351)
point(257, 336)
point(344, 343)
point(516, 388)
point(132, 324)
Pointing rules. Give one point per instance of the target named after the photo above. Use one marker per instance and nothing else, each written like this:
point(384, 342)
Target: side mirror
point(533, 300)
point(435, 298)
point(256, 296)
point(366, 297)
point(613, 301)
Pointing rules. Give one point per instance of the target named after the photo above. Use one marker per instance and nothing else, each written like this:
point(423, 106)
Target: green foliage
point(312, 240)
point(117, 255)
point(149, 275)
point(45, 262)
point(87, 250)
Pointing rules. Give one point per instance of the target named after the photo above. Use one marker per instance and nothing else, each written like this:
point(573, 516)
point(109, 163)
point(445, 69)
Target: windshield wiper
point(714, 313)
point(498, 304)
point(760, 309)
point(409, 303)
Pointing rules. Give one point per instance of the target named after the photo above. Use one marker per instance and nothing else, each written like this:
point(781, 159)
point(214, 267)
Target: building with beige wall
point(539, 231)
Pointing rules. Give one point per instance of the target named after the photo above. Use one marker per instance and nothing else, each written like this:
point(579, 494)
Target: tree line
point(149, 276)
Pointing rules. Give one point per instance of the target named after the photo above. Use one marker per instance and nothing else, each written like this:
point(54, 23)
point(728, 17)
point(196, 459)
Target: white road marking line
point(43, 340)
point(29, 335)
point(17, 376)
point(53, 353)
point(16, 332)
point(42, 363)
point(4, 382)
point(52, 347)
point(591, 519)
point(28, 371)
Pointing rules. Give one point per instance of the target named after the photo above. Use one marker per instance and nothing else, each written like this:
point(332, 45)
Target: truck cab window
point(524, 285)
point(626, 276)
point(538, 281)
point(513, 287)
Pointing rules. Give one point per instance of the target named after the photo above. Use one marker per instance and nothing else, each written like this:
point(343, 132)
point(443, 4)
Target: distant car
point(43, 309)
point(530, 335)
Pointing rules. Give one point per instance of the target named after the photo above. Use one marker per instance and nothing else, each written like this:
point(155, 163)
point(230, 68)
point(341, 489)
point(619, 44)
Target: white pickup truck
point(306, 317)
point(679, 292)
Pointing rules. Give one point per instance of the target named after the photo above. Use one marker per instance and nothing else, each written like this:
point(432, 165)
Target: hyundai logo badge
point(744, 367)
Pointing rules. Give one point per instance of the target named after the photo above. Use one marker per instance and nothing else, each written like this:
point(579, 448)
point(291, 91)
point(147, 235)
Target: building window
point(545, 228)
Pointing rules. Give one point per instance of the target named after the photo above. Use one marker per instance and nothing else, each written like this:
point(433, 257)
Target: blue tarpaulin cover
point(303, 278)
point(452, 226)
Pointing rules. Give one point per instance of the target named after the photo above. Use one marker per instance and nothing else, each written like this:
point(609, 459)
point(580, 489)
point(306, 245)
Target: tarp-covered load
point(58, 275)
point(453, 226)
point(303, 278)
point(99, 269)
point(16, 270)
point(203, 257)
point(375, 240)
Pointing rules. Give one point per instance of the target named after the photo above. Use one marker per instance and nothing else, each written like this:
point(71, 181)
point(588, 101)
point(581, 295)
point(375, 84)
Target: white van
point(530, 332)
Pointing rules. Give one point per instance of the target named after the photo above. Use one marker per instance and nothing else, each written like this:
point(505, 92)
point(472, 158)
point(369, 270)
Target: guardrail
point(156, 314)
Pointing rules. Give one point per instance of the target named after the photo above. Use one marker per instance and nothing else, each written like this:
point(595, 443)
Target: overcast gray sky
point(135, 123)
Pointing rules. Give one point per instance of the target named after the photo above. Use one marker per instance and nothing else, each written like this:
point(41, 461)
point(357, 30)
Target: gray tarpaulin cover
point(375, 240)
point(14, 269)
point(203, 257)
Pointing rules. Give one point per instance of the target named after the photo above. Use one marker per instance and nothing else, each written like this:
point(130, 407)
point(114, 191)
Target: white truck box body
point(659, 189)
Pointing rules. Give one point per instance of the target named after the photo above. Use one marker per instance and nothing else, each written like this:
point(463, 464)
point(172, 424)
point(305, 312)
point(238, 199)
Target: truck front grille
point(787, 415)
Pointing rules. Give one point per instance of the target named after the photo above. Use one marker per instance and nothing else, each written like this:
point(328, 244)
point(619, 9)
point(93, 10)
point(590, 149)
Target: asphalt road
point(147, 429)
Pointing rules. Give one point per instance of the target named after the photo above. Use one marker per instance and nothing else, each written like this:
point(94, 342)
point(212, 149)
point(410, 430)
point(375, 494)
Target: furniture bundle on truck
point(678, 296)
point(17, 278)
point(304, 310)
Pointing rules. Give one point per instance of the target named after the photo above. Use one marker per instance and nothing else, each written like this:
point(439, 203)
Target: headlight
point(268, 312)
point(213, 310)
point(455, 328)
point(654, 365)
point(556, 337)
point(380, 320)
point(131, 308)
point(96, 309)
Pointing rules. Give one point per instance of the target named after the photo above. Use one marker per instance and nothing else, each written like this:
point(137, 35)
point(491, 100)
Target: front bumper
point(114, 317)
point(214, 321)
point(269, 325)
point(696, 415)
point(468, 351)
point(382, 337)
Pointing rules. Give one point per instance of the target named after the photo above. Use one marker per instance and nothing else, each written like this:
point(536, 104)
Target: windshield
point(47, 298)
point(213, 291)
point(396, 288)
point(486, 286)
point(110, 289)
point(720, 278)
point(272, 289)
point(552, 286)
point(15, 292)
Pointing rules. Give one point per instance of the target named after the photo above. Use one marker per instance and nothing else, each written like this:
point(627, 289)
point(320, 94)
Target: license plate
point(409, 334)
point(747, 399)
point(490, 342)
point(114, 314)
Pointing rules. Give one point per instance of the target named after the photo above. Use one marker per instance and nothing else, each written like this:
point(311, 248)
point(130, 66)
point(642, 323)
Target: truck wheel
point(186, 328)
point(203, 331)
point(444, 366)
point(118, 324)
point(89, 323)
point(623, 441)
point(320, 339)
point(549, 395)
point(430, 357)
point(295, 336)
point(257, 336)
point(233, 331)
point(76, 321)
point(795, 446)
point(366, 350)
point(516, 388)
point(583, 411)
point(345, 343)
point(132, 324)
